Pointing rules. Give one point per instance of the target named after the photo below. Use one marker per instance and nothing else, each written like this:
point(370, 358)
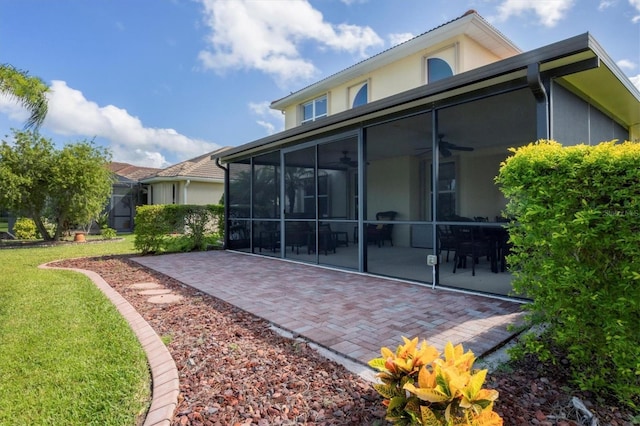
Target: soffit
point(601, 87)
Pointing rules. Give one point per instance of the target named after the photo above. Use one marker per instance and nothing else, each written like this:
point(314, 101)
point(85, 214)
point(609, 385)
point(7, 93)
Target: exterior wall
point(384, 192)
point(473, 55)
point(475, 197)
point(198, 193)
point(201, 193)
point(405, 74)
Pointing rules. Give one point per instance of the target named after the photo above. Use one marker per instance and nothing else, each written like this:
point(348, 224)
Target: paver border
point(164, 374)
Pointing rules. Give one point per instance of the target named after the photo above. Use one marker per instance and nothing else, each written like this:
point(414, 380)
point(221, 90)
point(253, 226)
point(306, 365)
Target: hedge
point(158, 226)
point(576, 253)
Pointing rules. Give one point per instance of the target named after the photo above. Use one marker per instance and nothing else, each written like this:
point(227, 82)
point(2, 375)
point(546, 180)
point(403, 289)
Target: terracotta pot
point(79, 237)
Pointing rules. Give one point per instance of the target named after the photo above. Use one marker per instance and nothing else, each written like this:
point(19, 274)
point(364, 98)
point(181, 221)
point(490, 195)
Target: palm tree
point(29, 91)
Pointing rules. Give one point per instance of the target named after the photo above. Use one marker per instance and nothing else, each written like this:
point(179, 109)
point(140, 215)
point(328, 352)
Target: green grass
point(4, 225)
point(67, 357)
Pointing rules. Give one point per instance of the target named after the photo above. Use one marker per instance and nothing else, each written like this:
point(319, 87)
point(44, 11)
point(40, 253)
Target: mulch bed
point(235, 370)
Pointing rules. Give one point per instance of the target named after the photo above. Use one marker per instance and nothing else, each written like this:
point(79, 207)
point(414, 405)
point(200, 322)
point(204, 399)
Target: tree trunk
point(41, 228)
point(59, 227)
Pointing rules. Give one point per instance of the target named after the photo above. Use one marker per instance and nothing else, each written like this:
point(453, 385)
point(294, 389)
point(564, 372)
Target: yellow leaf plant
point(422, 388)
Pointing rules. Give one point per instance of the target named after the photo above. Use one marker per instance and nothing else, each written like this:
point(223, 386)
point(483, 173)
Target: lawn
point(66, 355)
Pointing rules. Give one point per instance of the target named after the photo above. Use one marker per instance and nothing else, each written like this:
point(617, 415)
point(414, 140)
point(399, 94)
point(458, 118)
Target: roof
point(579, 61)
point(131, 172)
point(201, 168)
point(470, 24)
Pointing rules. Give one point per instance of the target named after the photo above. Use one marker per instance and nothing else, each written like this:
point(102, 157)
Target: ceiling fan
point(446, 147)
point(347, 161)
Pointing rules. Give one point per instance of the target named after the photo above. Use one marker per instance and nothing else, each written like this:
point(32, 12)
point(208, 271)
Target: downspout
point(542, 101)
point(185, 191)
point(226, 202)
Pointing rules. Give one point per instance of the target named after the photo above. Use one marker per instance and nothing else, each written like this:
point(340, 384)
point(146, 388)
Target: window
point(441, 64)
point(437, 69)
point(323, 195)
point(314, 109)
point(358, 94)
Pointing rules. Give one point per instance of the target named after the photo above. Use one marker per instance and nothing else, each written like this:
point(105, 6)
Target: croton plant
point(420, 387)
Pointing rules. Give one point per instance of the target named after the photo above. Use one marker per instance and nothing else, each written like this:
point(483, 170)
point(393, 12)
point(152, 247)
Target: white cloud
point(605, 4)
point(268, 36)
point(636, 5)
point(395, 39)
point(549, 12)
point(636, 81)
point(626, 64)
point(71, 114)
point(10, 107)
point(272, 120)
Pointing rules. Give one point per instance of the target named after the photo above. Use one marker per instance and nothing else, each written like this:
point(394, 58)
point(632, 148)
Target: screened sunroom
point(404, 187)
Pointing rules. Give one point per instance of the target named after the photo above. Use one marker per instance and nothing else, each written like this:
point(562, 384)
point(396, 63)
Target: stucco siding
point(473, 55)
point(461, 52)
point(201, 193)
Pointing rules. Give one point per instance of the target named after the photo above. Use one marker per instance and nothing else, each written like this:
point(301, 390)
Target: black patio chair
point(379, 233)
point(470, 243)
point(446, 240)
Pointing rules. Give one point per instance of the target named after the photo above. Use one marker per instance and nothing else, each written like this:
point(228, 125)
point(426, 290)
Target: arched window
point(437, 69)
point(360, 96)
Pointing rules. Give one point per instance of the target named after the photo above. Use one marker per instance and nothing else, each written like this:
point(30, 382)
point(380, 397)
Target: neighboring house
point(381, 163)
point(127, 193)
point(195, 181)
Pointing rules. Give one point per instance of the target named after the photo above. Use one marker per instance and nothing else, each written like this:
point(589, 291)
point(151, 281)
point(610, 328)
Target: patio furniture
point(326, 240)
point(379, 233)
point(269, 239)
point(297, 234)
point(238, 236)
point(470, 242)
point(446, 240)
point(341, 238)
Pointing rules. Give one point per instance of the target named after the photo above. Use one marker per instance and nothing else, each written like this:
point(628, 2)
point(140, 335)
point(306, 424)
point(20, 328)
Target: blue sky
point(161, 81)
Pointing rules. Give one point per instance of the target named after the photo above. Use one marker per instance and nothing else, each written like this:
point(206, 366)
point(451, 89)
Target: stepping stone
point(165, 298)
point(146, 285)
point(155, 292)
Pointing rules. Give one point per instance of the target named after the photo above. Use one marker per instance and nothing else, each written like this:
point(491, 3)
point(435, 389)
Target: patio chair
point(382, 232)
point(326, 240)
point(297, 235)
point(469, 243)
point(446, 240)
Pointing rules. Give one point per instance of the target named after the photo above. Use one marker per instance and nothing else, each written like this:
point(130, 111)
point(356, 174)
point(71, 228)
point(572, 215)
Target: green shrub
point(151, 228)
point(177, 244)
point(576, 245)
point(198, 224)
point(108, 233)
point(25, 229)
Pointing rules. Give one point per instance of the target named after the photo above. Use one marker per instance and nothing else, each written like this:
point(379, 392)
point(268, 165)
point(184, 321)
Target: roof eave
point(559, 54)
point(158, 179)
point(469, 24)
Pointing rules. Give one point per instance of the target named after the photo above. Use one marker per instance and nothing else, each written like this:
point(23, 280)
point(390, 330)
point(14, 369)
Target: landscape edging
point(164, 374)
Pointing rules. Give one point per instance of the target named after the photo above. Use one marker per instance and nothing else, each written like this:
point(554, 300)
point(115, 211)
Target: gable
point(465, 43)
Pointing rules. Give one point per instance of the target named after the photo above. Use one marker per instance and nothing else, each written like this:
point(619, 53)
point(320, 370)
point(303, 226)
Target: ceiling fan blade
point(445, 152)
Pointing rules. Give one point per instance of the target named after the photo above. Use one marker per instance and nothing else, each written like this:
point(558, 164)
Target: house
point(387, 166)
point(195, 181)
point(127, 193)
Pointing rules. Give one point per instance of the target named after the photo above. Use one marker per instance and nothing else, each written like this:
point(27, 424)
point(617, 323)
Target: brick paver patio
point(348, 313)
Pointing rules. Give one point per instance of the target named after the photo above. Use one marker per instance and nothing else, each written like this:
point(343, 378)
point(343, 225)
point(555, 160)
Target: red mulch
point(235, 370)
